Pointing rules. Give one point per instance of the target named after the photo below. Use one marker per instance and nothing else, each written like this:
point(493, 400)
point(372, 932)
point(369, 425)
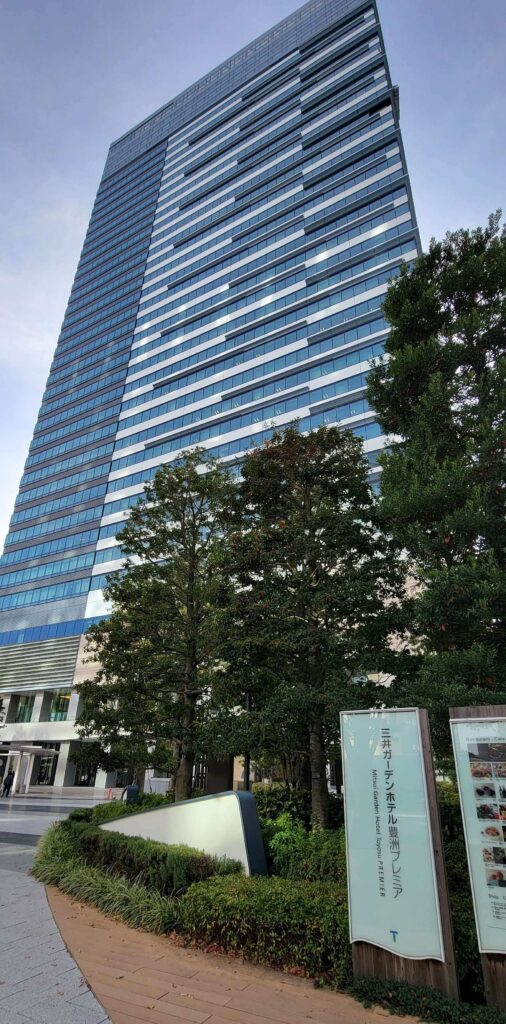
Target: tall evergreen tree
point(157, 649)
point(442, 394)
point(309, 607)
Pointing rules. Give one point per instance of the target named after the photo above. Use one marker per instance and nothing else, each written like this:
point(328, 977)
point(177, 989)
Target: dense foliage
point(117, 808)
point(276, 798)
point(310, 603)
point(441, 394)
point(156, 652)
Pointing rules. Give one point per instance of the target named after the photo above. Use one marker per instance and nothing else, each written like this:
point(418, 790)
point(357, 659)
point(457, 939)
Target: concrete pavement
point(39, 981)
point(25, 818)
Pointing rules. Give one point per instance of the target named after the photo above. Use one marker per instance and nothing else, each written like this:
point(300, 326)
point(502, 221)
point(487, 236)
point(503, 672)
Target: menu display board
point(479, 746)
point(392, 888)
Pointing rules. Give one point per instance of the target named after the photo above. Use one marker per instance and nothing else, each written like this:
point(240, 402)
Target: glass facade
point(232, 276)
point(59, 707)
point(25, 708)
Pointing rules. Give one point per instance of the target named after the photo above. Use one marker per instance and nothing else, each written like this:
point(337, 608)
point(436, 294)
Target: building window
point(59, 706)
point(124, 777)
point(200, 775)
point(85, 775)
point(25, 708)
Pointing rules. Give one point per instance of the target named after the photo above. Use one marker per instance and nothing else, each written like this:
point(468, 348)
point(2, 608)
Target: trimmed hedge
point(296, 853)
point(421, 1002)
point(134, 904)
point(269, 920)
point(117, 808)
point(274, 921)
point(166, 869)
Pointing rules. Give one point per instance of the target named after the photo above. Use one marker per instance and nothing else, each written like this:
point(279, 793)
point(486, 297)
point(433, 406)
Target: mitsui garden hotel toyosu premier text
point(232, 276)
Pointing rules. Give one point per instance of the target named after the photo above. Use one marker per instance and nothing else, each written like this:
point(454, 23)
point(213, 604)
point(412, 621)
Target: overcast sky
point(76, 74)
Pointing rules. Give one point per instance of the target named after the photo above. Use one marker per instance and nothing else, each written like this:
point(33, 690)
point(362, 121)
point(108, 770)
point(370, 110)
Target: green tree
point(442, 394)
point(311, 601)
point(156, 651)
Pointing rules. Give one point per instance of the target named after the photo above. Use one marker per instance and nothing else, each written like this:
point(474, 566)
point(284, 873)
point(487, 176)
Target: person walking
point(7, 786)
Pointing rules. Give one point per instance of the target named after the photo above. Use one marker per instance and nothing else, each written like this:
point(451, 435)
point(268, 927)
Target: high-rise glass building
point(232, 276)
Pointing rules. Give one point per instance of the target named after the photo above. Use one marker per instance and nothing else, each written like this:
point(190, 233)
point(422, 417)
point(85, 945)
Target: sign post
point(400, 924)
point(479, 744)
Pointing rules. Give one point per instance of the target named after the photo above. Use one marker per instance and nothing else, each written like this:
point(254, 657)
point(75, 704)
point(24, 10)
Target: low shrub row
point(56, 864)
point(117, 808)
point(165, 869)
point(295, 853)
point(274, 921)
point(423, 1003)
point(271, 920)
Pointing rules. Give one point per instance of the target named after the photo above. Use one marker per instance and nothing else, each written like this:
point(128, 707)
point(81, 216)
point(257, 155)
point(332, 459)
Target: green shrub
point(424, 1003)
point(274, 921)
point(166, 869)
point(275, 798)
point(449, 811)
point(55, 846)
point(464, 927)
point(134, 904)
point(117, 808)
point(295, 853)
point(318, 856)
point(81, 814)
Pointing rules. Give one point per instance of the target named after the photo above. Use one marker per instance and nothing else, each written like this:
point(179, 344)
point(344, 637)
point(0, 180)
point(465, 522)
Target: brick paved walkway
point(147, 979)
point(39, 980)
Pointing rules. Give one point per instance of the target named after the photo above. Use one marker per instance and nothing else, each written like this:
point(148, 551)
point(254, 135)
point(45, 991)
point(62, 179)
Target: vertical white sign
point(480, 756)
point(392, 888)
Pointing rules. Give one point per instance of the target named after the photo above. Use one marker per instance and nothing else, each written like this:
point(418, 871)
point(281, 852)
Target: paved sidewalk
point(147, 979)
point(39, 981)
point(23, 818)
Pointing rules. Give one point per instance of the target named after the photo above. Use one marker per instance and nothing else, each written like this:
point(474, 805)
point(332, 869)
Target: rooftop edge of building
point(288, 34)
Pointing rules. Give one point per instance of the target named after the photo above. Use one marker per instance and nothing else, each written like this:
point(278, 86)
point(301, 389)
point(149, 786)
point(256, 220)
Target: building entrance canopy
point(23, 769)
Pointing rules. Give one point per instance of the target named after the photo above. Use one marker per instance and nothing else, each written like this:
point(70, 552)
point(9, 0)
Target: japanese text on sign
point(391, 876)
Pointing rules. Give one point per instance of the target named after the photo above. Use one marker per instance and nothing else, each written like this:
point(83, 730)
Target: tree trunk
point(318, 763)
point(184, 773)
point(184, 776)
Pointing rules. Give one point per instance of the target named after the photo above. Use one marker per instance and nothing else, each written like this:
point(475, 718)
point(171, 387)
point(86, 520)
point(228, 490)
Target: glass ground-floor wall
point(44, 769)
point(85, 775)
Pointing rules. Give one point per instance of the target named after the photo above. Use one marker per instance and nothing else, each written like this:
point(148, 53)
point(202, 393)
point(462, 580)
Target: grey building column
point(73, 706)
point(41, 705)
point(61, 767)
point(10, 705)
